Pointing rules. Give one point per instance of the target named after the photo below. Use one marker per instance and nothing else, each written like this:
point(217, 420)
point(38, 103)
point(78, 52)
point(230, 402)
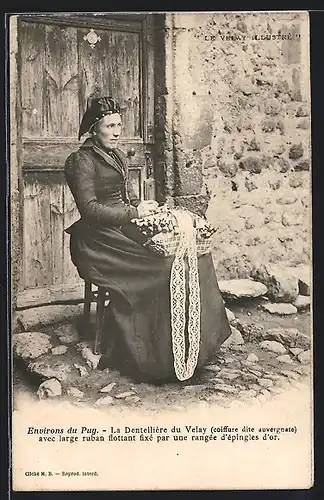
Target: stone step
point(241, 289)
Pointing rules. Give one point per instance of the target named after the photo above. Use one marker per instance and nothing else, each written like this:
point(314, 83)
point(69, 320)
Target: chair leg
point(87, 302)
point(100, 316)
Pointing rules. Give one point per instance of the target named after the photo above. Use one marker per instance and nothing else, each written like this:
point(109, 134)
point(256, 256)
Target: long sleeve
point(132, 196)
point(80, 175)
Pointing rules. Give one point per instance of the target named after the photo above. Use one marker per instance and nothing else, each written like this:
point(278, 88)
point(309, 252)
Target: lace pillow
point(163, 233)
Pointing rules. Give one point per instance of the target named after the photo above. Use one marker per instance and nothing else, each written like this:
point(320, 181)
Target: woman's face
point(107, 131)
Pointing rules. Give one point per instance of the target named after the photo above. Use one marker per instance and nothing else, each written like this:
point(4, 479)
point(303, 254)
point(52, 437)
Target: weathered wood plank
point(104, 21)
point(135, 179)
point(61, 81)
point(37, 232)
point(115, 72)
point(94, 67)
point(56, 294)
point(15, 162)
point(39, 154)
point(43, 155)
point(55, 181)
point(32, 71)
point(71, 214)
point(148, 79)
point(126, 77)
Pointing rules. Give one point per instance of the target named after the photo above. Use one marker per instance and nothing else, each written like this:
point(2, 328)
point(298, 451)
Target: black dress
point(107, 251)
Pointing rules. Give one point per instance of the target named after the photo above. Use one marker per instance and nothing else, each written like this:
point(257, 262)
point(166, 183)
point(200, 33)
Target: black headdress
point(97, 108)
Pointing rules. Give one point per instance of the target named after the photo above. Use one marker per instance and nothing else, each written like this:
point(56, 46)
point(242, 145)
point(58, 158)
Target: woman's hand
point(146, 207)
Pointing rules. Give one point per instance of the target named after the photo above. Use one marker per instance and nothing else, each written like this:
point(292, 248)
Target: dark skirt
point(138, 320)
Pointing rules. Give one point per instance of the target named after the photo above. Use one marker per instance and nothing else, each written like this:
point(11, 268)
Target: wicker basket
point(163, 231)
point(166, 244)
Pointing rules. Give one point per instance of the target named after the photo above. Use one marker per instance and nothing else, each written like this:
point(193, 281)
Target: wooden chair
point(100, 296)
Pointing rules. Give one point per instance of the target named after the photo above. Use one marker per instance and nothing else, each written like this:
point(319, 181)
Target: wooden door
point(62, 61)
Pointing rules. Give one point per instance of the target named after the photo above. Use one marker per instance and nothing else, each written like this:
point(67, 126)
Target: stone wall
point(241, 133)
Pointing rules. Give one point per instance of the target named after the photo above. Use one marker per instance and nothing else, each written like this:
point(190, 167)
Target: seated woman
point(106, 249)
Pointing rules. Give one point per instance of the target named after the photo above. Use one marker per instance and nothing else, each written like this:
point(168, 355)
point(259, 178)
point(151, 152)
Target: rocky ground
point(268, 352)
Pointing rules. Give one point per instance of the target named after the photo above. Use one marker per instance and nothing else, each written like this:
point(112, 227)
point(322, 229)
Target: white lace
point(187, 246)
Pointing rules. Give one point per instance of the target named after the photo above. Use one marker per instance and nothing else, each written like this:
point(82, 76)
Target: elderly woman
point(107, 250)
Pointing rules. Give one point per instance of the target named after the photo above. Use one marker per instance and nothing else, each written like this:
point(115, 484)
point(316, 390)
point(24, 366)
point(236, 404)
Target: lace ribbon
point(186, 248)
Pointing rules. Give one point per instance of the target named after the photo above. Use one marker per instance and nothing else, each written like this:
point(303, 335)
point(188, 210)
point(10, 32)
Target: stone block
point(290, 337)
point(105, 401)
point(272, 106)
point(304, 280)
point(303, 110)
point(30, 345)
point(247, 88)
point(287, 199)
point(230, 315)
point(67, 334)
point(304, 124)
point(241, 26)
point(281, 87)
point(48, 315)
point(228, 169)
point(254, 145)
point(305, 357)
point(284, 165)
point(251, 164)
point(241, 288)
point(49, 389)
point(234, 339)
point(123, 395)
point(285, 358)
point(251, 331)
point(302, 166)
point(75, 393)
point(229, 374)
point(296, 151)
point(282, 309)
point(292, 218)
point(295, 181)
point(268, 125)
point(195, 203)
point(188, 176)
point(81, 369)
point(108, 388)
point(295, 95)
point(59, 350)
point(86, 352)
point(273, 346)
point(252, 358)
point(250, 185)
point(302, 303)
point(280, 125)
point(275, 184)
point(48, 370)
point(282, 284)
point(265, 382)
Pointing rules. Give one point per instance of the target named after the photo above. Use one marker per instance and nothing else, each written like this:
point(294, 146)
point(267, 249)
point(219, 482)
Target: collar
point(113, 157)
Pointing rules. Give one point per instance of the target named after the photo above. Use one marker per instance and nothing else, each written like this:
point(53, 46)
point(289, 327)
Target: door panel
point(136, 181)
point(60, 82)
point(63, 61)
point(116, 72)
point(70, 215)
point(38, 257)
point(32, 63)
